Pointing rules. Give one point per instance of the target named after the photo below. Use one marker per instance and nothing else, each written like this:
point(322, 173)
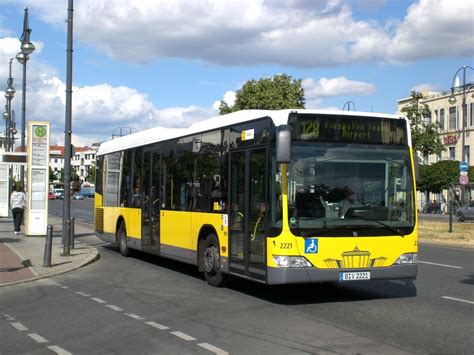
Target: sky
point(148, 63)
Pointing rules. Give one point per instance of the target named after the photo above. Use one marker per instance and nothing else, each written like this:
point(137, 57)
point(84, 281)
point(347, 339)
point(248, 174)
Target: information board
point(38, 174)
point(4, 190)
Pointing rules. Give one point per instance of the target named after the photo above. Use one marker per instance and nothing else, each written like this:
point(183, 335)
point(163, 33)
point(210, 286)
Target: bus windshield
point(350, 190)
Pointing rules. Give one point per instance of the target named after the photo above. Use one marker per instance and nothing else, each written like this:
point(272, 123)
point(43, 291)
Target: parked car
point(432, 207)
point(58, 193)
point(466, 212)
point(87, 192)
point(51, 196)
point(77, 196)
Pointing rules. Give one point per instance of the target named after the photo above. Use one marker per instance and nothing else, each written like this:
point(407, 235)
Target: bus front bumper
point(278, 276)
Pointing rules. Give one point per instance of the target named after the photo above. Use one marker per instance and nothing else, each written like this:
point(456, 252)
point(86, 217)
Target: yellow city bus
point(278, 197)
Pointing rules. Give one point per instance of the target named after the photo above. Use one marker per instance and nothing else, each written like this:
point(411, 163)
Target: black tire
point(122, 239)
point(460, 217)
point(210, 261)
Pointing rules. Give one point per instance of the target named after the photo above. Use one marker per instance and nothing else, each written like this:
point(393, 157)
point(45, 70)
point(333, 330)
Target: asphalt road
point(147, 304)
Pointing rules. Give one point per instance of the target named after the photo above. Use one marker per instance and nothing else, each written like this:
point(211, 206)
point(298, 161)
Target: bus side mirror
point(283, 144)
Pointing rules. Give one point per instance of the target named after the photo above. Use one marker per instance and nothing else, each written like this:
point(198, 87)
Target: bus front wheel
point(122, 239)
point(211, 261)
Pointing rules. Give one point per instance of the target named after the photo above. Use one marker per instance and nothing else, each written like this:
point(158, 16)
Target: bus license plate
point(354, 276)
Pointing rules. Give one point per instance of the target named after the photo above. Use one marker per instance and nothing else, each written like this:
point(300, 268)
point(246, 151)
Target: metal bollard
point(72, 232)
point(450, 229)
point(48, 246)
point(67, 239)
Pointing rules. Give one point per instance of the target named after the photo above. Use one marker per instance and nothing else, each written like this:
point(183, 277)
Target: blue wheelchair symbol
point(311, 246)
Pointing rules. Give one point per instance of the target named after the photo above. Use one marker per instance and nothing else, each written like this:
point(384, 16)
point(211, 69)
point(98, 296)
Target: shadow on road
point(469, 280)
point(298, 293)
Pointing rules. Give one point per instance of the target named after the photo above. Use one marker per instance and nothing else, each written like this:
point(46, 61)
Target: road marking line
point(157, 325)
point(457, 299)
point(83, 294)
point(134, 316)
point(451, 266)
point(19, 326)
point(213, 349)
point(183, 336)
point(8, 317)
point(38, 338)
point(98, 300)
point(115, 308)
point(59, 350)
point(49, 282)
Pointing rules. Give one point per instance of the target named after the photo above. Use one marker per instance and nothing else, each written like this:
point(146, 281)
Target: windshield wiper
point(386, 226)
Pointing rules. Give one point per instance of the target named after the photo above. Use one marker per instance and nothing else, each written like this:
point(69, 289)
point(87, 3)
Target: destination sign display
point(349, 129)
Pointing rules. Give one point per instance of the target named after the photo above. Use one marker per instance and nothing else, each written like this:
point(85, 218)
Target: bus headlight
point(291, 261)
point(409, 258)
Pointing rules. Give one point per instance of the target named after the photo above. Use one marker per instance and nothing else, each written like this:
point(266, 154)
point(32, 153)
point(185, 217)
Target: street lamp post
point(9, 94)
point(463, 90)
point(67, 135)
point(26, 49)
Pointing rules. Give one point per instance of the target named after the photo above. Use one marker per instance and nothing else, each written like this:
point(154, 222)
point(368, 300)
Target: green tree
point(52, 175)
point(73, 174)
point(274, 93)
point(439, 176)
point(91, 174)
point(425, 136)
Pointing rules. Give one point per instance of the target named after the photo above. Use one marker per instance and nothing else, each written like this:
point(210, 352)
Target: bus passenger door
point(155, 201)
point(247, 209)
point(145, 200)
point(151, 206)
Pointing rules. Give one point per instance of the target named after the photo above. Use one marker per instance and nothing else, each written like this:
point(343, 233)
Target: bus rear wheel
point(122, 239)
point(210, 257)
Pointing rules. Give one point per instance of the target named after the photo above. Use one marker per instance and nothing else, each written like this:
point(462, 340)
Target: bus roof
point(157, 134)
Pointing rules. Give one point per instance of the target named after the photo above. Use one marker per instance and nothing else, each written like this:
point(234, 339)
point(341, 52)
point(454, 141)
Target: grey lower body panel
point(278, 276)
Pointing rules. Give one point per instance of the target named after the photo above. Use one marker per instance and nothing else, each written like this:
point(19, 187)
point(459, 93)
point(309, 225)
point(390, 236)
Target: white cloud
point(228, 98)
point(300, 33)
point(315, 91)
point(434, 28)
point(424, 87)
point(98, 110)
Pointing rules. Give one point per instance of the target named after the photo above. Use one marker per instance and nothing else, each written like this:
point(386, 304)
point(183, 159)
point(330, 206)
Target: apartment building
point(451, 130)
point(449, 118)
point(82, 161)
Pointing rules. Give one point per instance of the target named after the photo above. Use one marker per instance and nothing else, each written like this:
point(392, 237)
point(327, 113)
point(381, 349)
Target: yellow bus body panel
point(181, 229)
point(175, 229)
point(218, 222)
point(131, 216)
point(345, 252)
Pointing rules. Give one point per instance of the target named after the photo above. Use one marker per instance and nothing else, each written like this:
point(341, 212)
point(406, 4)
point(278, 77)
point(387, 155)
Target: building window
point(471, 114)
point(467, 154)
point(452, 153)
point(452, 118)
point(425, 159)
point(438, 157)
point(428, 119)
point(441, 119)
point(464, 112)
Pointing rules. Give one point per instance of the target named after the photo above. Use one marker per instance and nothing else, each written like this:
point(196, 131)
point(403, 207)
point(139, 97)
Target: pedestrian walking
point(18, 205)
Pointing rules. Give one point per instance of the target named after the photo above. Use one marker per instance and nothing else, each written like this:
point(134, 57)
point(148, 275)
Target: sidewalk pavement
point(21, 257)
